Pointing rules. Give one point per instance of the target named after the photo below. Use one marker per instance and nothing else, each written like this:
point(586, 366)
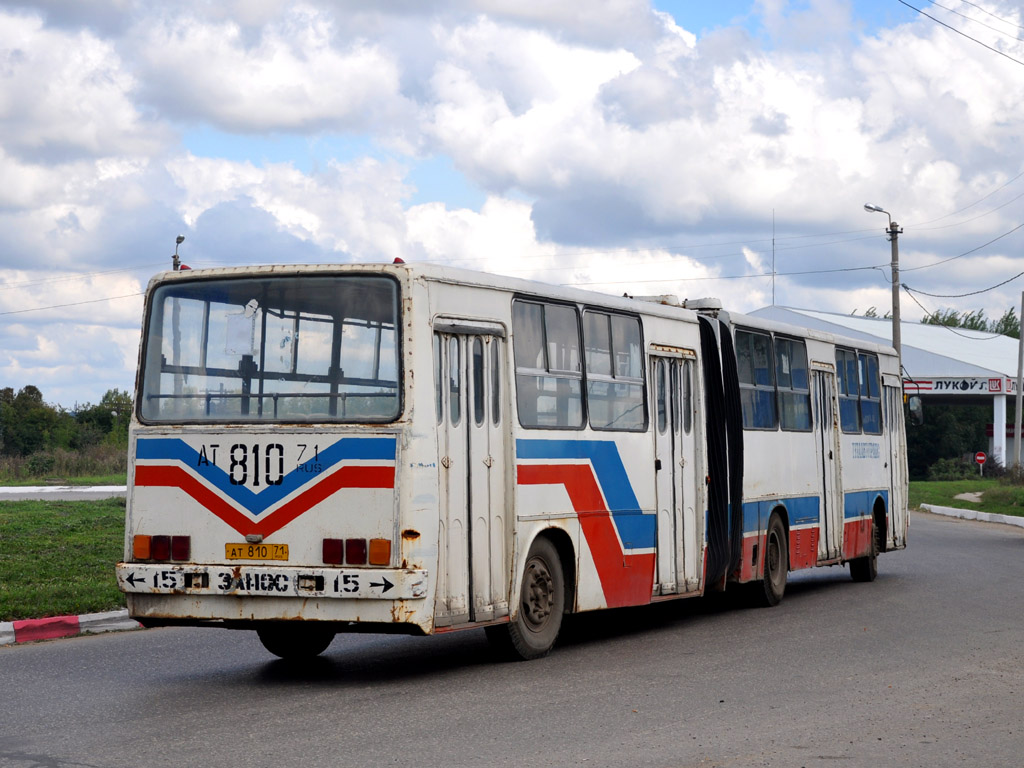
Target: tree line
point(29, 425)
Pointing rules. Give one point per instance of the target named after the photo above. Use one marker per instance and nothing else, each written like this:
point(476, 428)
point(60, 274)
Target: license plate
point(248, 551)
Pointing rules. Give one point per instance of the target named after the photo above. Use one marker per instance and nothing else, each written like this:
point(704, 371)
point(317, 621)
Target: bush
point(951, 469)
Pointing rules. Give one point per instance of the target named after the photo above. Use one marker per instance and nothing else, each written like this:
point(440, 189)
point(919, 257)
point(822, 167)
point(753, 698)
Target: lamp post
point(894, 233)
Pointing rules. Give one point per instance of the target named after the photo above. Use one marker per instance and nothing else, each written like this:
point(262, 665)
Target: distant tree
point(1008, 324)
point(975, 320)
point(30, 425)
point(873, 312)
point(106, 421)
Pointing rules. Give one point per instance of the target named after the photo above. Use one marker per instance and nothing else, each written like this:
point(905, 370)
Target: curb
point(972, 514)
point(30, 630)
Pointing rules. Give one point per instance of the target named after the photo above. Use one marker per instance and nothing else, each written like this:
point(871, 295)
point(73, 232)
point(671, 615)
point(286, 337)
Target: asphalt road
point(923, 667)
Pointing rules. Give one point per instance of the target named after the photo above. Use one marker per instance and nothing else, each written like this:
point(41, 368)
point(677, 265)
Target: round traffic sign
point(980, 457)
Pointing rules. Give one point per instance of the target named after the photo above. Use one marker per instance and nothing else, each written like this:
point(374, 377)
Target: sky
point(719, 149)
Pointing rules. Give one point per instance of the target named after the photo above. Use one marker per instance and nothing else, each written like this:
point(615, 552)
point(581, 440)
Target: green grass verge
point(57, 557)
point(997, 497)
point(117, 479)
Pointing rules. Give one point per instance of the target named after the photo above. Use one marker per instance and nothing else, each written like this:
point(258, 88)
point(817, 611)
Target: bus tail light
point(161, 547)
point(181, 547)
point(380, 551)
point(334, 551)
point(141, 546)
point(355, 551)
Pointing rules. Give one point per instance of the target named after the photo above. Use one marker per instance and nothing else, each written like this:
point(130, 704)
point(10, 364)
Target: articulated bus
point(420, 449)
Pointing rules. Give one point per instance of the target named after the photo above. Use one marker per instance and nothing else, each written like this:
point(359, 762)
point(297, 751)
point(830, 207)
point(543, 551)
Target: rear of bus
point(263, 455)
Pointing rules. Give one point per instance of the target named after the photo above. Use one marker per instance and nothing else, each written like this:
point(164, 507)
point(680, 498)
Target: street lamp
point(894, 232)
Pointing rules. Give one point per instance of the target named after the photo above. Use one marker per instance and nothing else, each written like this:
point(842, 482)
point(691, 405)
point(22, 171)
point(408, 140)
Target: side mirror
point(916, 409)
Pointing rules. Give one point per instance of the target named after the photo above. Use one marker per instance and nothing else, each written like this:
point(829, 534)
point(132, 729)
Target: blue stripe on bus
point(862, 503)
point(636, 529)
point(175, 449)
point(801, 510)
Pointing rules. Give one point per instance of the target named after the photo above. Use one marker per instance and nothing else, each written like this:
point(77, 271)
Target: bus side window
point(549, 377)
point(615, 382)
point(478, 380)
point(495, 382)
point(757, 379)
point(794, 393)
point(849, 390)
point(454, 381)
point(438, 378)
point(870, 395)
point(687, 396)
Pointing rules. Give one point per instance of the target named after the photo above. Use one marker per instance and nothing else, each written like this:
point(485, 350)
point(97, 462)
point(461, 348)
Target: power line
point(962, 295)
point(72, 304)
point(965, 253)
point(947, 26)
point(964, 16)
point(947, 327)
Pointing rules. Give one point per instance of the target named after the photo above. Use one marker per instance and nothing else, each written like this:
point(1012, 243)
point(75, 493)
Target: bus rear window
point(280, 349)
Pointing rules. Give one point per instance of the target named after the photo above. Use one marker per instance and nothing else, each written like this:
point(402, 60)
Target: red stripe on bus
point(625, 579)
point(346, 477)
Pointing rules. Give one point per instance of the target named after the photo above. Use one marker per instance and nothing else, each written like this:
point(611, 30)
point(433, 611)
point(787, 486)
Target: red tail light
point(161, 548)
point(181, 547)
point(355, 551)
point(334, 551)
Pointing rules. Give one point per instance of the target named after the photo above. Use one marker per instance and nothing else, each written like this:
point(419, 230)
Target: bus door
point(895, 438)
point(826, 430)
point(471, 578)
point(679, 534)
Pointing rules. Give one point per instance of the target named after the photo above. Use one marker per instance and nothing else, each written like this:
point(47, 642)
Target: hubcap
point(538, 594)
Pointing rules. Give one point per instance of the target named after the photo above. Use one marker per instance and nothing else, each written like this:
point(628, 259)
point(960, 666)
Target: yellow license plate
point(248, 551)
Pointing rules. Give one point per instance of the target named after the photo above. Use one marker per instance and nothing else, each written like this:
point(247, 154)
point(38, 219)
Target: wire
point(962, 295)
point(949, 327)
point(947, 26)
point(1000, 18)
point(918, 225)
point(72, 304)
point(963, 16)
point(82, 276)
point(965, 253)
point(728, 277)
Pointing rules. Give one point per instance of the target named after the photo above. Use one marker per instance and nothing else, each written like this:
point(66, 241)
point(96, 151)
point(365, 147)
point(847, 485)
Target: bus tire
point(776, 564)
point(295, 641)
point(533, 631)
point(866, 568)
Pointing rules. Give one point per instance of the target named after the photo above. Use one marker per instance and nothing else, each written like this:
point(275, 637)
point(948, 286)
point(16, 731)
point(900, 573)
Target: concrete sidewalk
point(64, 492)
point(972, 514)
point(30, 630)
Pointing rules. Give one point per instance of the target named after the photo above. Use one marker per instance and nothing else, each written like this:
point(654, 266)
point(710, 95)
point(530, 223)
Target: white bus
point(419, 449)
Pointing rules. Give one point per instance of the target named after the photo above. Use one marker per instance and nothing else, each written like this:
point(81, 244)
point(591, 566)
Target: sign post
point(981, 458)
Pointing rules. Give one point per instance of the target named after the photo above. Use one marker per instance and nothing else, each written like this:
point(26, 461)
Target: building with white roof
point(941, 364)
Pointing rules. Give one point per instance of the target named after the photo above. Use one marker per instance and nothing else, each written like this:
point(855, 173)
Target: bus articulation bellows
point(419, 449)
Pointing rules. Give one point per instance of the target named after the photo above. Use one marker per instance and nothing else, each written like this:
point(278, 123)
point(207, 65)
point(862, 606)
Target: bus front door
point(679, 537)
point(826, 428)
point(472, 578)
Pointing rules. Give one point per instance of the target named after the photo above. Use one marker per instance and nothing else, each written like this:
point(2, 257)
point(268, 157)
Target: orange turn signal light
point(380, 551)
point(141, 546)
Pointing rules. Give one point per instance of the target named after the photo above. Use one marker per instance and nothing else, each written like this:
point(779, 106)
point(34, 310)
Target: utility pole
point(894, 232)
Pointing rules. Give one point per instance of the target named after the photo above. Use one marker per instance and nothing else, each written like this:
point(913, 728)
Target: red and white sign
point(980, 457)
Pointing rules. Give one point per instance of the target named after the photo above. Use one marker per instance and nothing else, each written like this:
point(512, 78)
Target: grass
point(997, 497)
point(57, 557)
point(119, 478)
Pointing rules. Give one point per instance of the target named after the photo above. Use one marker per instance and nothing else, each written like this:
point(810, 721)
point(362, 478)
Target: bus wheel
point(866, 568)
point(532, 633)
point(776, 564)
point(295, 641)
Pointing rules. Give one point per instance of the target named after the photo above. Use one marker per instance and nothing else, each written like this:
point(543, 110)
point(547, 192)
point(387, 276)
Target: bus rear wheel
point(295, 641)
point(776, 564)
point(866, 568)
point(532, 633)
